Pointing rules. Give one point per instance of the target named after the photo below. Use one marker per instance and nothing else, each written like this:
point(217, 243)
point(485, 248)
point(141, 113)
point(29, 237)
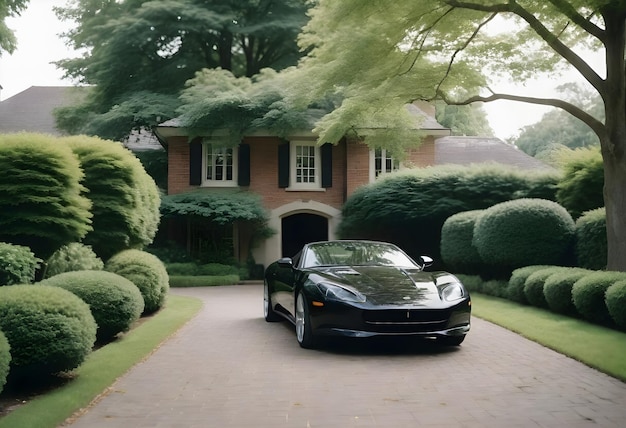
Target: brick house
point(302, 185)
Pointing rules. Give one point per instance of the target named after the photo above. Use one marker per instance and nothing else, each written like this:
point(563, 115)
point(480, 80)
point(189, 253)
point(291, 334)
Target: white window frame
point(213, 147)
point(295, 169)
point(396, 166)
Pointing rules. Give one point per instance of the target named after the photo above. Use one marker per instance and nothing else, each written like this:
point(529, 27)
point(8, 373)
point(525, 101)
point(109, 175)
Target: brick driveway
point(229, 368)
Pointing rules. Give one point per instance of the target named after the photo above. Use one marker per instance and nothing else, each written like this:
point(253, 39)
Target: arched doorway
point(299, 229)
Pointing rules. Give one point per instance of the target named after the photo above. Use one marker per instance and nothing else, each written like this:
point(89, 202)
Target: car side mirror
point(426, 261)
point(285, 262)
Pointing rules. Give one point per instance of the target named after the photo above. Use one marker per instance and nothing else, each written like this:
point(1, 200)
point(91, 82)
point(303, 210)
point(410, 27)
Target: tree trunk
point(615, 202)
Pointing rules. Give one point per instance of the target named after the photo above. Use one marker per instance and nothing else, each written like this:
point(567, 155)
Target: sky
point(37, 31)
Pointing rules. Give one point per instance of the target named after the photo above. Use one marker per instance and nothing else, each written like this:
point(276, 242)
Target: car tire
point(304, 334)
point(268, 308)
point(451, 340)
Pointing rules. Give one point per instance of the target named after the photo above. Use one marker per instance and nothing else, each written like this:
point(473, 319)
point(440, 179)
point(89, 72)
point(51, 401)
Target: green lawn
point(103, 367)
point(593, 345)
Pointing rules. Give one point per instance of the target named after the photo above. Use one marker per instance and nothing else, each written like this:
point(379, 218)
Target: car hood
point(386, 285)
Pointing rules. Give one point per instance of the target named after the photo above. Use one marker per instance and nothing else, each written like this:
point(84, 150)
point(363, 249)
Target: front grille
point(407, 320)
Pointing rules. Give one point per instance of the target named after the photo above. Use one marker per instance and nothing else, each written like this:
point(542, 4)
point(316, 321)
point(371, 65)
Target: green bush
point(457, 251)
point(18, 264)
point(588, 295)
point(533, 286)
point(524, 232)
point(146, 271)
point(471, 282)
point(557, 290)
point(581, 188)
point(203, 280)
point(591, 245)
point(615, 299)
point(410, 208)
point(73, 257)
point(194, 269)
point(50, 330)
point(125, 199)
point(495, 287)
point(517, 281)
point(182, 268)
point(5, 360)
point(42, 205)
point(114, 301)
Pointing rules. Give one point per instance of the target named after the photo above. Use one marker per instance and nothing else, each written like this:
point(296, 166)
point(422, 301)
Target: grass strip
point(599, 347)
point(103, 367)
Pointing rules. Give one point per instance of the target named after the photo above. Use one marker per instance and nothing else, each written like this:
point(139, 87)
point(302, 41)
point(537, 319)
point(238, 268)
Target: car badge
point(408, 314)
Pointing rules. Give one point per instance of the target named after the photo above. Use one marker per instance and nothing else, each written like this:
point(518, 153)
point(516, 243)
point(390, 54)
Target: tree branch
point(596, 125)
point(542, 31)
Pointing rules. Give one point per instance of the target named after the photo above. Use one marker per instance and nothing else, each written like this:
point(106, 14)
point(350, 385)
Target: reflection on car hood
point(386, 285)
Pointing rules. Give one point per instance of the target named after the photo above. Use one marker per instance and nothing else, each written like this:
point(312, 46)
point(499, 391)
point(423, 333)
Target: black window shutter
point(327, 165)
point(195, 163)
point(283, 165)
point(243, 168)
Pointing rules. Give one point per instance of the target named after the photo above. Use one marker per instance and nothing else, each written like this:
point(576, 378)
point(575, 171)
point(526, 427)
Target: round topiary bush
point(515, 288)
point(114, 301)
point(18, 264)
point(591, 245)
point(557, 290)
point(533, 286)
point(73, 257)
point(615, 299)
point(50, 330)
point(5, 359)
point(524, 232)
point(588, 295)
point(144, 270)
point(457, 251)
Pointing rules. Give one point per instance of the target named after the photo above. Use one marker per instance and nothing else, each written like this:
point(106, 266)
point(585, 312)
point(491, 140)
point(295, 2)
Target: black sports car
point(362, 289)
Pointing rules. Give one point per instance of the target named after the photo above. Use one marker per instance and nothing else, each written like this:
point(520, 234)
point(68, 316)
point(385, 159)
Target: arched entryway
point(300, 229)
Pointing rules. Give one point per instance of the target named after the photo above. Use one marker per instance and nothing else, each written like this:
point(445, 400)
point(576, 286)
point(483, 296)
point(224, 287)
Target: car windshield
point(350, 253)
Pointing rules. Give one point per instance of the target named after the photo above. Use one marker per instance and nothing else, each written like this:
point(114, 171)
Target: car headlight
point(452, 292)
point(342, 294)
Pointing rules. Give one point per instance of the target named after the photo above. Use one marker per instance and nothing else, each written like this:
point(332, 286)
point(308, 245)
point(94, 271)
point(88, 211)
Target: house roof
point(31, 109)
point(472, 150)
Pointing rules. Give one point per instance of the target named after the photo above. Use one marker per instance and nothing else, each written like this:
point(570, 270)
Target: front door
point(300, 229)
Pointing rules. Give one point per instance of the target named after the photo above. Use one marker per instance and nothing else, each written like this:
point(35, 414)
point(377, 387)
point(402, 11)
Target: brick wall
point(178, 165)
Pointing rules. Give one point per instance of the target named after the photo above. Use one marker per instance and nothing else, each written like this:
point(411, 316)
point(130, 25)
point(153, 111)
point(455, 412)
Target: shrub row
point(51, 326)
point(5, 359)
point(509, 235)
point(596, 296)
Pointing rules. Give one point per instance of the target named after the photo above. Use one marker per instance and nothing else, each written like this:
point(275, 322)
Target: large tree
point(382, 54)
point(9, 8)
point(139, 54)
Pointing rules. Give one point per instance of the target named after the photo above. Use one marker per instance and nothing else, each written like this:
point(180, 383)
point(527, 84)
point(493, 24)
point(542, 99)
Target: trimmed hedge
point(18, 264)
point(615, 299)
point(557, 290)
point(146, 271)
point(42, 204)
point(524, 232)
point(591, 245)
point(588, 295)
point(534, 284)
point(73, 257)
point(457, 251)
point(580, 188)
point(5, 359)
point(114, 301)
point(409, 208)
point(50, 330)
point(515, 288)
